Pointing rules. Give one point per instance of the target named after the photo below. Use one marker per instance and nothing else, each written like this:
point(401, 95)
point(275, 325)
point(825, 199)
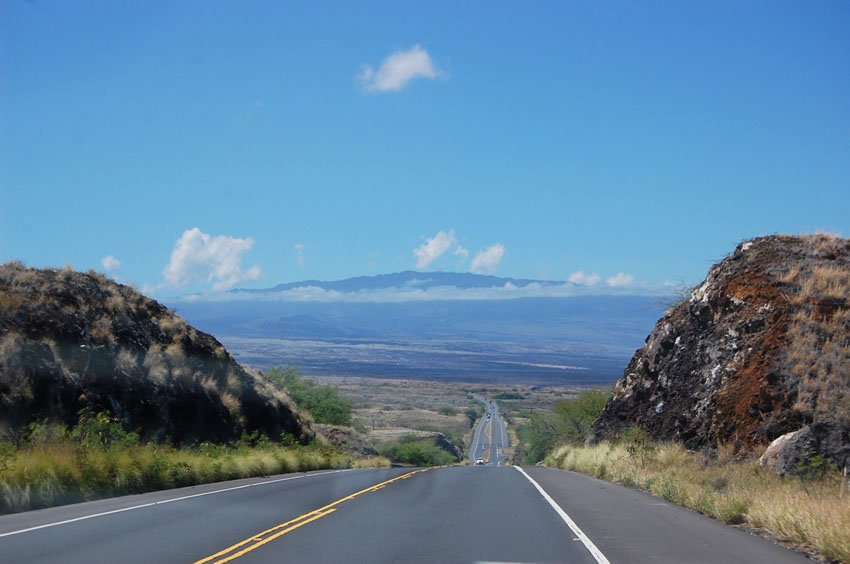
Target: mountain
point(758, 352)
point(435, 325)
point(406, 279)
point(71, 341)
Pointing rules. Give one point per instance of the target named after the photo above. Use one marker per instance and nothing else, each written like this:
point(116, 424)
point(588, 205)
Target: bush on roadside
point(323, 402)
point(417, 451)
point(568, 423)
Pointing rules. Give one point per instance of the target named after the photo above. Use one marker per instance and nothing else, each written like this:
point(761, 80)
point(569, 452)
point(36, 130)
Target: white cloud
point(487, 260)
point(417, 293)
point(199, 257)
point(434, 247)
point(621, 279)
point(405, 293)
point(109, 262)
point(397, 70)
point(584, 279)
point(461, 252)
point(299, 248)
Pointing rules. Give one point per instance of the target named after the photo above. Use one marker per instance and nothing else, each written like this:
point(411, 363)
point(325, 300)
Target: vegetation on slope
point(569, 421)
point(323, 402)
point(417, 451)
point(97, 458)
point(72, 341)
point(105, 392)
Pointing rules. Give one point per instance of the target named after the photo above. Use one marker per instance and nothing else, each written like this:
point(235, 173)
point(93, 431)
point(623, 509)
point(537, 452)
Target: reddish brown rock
point(759, 349)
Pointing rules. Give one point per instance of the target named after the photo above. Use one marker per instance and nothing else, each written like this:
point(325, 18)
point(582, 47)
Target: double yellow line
point(254, 542)
point(490, 444)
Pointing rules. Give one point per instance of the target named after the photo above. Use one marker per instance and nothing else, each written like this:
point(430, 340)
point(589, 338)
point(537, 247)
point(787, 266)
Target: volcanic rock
point(71, 341)
point(759, 349)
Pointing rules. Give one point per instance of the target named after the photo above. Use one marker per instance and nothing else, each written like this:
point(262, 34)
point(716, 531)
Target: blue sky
point(213, 144)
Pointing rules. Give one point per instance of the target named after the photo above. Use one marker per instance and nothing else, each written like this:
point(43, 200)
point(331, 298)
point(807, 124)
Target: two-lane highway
point(454, 514)
point(490, 436)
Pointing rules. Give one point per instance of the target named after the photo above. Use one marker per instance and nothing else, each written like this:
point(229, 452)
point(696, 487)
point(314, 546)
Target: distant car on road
point(479, 462)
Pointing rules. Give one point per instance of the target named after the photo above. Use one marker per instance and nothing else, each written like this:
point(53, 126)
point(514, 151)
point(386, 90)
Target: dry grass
point(59, 472)
point(372, 462)
point(819, 355)
point(414, 419)
point(818, 351)
point(805, 513)
point(826, 282)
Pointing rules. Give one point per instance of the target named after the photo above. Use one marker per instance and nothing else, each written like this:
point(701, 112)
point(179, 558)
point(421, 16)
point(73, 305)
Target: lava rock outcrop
point(71, 341)
point(761, 348)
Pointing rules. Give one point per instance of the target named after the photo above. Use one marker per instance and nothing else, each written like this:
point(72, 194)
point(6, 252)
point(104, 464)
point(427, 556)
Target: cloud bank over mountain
point(413, 286)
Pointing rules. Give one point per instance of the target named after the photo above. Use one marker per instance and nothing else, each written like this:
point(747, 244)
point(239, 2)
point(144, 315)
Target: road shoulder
point(631, 526)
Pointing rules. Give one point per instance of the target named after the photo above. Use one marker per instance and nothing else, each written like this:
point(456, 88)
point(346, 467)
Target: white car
point(479, 462)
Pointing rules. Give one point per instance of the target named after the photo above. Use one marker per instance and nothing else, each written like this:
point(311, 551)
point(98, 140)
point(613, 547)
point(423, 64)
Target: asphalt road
point(454, 514)
point(490, 437)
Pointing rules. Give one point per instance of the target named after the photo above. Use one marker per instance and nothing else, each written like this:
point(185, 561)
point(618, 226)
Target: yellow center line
point(490, 444)
point(260, 543)
point(277, 531)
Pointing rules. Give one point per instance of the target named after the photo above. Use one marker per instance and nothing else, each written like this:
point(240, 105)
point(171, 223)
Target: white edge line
point(476, 437)
point(588, 544)
point(163, 502)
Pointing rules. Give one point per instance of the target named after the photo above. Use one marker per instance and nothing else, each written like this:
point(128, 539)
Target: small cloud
point(621, 279)
point(461, 252)
point(584, 279)
point(397, 70)
point(434, 247)
point(299, 248)
point(487, 260)
point(199, 257)
point(109, 263)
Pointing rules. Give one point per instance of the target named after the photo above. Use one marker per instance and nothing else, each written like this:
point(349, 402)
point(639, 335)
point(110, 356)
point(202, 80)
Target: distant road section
point(490, 436)
point(454, 514)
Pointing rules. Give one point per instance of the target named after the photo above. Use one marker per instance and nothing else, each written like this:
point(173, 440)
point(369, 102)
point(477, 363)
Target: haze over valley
point(439, 326)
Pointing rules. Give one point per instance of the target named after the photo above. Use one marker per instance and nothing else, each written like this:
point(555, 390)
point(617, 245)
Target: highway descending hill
point(449, 514)
point(489, 438)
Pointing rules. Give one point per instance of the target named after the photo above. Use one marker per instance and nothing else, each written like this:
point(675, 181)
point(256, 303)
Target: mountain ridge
point(406, 278)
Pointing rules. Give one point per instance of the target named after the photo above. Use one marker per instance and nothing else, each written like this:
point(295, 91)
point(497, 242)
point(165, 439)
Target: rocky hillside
point(759, 349)
point(70, 340)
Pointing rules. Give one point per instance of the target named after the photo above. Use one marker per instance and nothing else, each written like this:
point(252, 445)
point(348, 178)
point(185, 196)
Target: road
point(490, 436)
point(450, 514)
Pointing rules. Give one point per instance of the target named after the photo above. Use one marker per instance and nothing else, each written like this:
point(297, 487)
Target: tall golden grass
point(807, 513)
point(60, 472)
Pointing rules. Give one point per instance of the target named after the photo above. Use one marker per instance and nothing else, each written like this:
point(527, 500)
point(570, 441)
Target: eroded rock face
point(759, 349)
point(71, 340)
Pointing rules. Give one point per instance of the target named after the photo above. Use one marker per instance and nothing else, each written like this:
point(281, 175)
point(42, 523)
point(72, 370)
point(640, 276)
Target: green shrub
point(323, 402)
point(568, 423)
point(573, 417)
point(813, 466)
point(538, 436)
point(416, 451)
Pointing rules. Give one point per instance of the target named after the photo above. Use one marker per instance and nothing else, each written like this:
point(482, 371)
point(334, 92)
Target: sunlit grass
point(805, 512)
point(56, 473)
